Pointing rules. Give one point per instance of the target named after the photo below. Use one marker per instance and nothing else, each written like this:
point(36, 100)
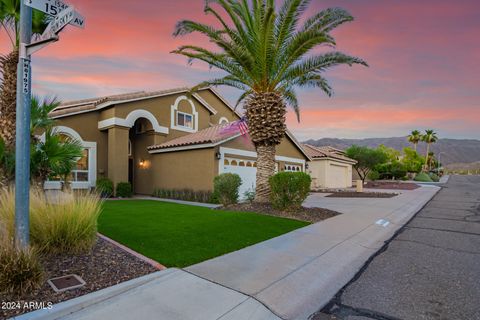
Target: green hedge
point(225, 188)
point(105, 187)
point(289, 189)
point(185, 194)
point(124, 190)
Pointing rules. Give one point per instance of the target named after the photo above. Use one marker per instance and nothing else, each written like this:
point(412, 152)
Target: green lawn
point(179, 235)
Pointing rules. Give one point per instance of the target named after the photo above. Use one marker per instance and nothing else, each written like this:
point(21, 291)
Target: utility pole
point(22, 139)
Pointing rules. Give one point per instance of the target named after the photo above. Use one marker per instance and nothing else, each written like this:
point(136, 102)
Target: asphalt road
point(430, 270)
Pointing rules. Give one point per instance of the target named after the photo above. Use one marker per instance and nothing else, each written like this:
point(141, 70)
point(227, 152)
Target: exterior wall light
point(141, 163)
point(218, 155)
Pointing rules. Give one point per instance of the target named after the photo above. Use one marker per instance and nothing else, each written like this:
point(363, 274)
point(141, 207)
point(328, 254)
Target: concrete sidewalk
point(288, 277)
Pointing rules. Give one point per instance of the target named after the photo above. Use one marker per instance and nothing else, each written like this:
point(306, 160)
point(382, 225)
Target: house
point(163, 140)
point(329, 167)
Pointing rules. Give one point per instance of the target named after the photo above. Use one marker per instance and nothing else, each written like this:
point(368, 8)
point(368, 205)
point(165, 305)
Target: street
point(430, 270)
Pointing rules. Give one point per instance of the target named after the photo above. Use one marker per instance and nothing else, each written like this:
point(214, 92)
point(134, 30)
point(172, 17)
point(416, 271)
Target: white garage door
point(337, 176)
point(246, 170)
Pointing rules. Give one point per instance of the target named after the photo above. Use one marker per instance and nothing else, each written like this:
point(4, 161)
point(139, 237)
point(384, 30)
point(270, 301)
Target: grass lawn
point(178, 235)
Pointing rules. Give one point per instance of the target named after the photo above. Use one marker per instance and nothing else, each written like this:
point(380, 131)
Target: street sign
point(54, 8)
point(59, 22)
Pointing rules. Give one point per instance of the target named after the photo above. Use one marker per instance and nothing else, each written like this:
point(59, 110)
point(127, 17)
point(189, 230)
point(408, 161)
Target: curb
point(140, 256)
point(336, 299)
point(65, 308)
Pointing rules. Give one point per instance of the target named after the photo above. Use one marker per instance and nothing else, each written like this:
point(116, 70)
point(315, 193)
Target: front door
point(130, 171)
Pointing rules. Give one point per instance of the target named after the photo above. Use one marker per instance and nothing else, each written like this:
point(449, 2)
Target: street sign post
point(62, 14)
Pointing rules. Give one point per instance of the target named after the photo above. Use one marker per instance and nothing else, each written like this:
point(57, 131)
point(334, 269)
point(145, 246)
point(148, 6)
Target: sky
point(424, 59)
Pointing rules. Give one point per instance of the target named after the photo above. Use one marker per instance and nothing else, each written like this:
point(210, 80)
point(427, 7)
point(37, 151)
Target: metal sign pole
point(22, 139)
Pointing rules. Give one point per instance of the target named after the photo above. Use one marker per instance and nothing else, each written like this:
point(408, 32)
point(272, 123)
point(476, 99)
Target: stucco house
point(164, 139)
point(329, 167)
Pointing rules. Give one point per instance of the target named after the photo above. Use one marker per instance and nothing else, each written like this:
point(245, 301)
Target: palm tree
point(415, 137)
point(267, 53)
point(429, 137)
point(9, 17)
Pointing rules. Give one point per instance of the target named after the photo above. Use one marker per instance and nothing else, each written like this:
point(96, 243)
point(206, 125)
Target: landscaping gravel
point(105, 266)
point(305, 214)
point(352, 194)
point(391, 185)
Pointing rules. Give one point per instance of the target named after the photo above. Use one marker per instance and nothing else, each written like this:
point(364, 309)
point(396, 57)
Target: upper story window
point(184, 120)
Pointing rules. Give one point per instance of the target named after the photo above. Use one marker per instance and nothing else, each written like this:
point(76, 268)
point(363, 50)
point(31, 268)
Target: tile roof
point(92, 103)
point(325, 152)
point(211, 135)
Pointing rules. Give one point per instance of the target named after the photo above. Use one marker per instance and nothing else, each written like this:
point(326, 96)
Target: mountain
point(454, 151)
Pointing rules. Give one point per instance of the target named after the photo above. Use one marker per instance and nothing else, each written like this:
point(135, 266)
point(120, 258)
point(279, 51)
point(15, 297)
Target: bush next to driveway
point(178, 235)
point(289, 189)
point(225, 188)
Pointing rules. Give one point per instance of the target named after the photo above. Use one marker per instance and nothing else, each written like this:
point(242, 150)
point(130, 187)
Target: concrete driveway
point(288, 277)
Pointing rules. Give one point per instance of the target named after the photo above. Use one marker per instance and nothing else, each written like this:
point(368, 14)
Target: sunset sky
point(424, 61)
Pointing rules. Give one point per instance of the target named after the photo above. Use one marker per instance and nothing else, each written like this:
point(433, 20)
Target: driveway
point(431, 270)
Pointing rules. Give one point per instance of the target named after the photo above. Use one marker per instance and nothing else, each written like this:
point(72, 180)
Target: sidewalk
point(288, 277)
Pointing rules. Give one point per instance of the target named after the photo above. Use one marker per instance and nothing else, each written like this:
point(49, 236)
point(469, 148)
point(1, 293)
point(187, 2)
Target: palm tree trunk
point(265, 114)
point(426, 158)
point(8, 91)
point(415, 147)
point(265, 169)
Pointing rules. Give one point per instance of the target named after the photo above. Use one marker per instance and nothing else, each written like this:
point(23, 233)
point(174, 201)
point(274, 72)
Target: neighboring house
point(164, 139)
point(329, 167)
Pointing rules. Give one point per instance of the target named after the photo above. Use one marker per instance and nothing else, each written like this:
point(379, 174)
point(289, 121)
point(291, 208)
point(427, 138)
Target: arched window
point(226, 162)
point(233, 163)
point(241, 164)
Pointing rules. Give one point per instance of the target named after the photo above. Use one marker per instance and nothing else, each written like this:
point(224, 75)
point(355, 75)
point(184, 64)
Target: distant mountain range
point(454, 151)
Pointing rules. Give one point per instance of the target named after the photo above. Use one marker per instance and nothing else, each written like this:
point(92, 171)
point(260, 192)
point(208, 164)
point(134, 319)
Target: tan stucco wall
point(86, 125)
point(193, 169)
point(222, 109)
point(118, 154)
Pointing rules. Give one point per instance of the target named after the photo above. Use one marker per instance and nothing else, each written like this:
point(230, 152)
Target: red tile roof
point(211, 135)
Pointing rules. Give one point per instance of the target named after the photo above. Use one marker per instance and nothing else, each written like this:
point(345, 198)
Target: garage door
point(245, 169)
point(337, 176)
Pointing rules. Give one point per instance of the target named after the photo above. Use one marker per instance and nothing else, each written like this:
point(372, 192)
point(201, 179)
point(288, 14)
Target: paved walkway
point(431, 270)
point(288, 277)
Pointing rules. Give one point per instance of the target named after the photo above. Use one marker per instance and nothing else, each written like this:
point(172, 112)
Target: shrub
point(249, 195)
point(423, 177)
point(374, 175)
point(225, 188)
point(289, 189)
point(184, 194)
point(66, 225)
point(124, 190)
point(20, 269)
point(434, 177)
point(105, 187)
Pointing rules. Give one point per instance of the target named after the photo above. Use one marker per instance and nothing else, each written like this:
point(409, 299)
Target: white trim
point(205, 103)
point(129, 121)
point(195, 146)
point(253, 154)
point(174, 110)
point(223, 120)
point(92, 160)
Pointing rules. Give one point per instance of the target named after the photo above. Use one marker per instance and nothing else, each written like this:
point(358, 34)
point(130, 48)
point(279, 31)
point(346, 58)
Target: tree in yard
point(367, 159)
point(52, 155)
point(9, 17)
point(267, 53)
point(429, 137)
point(415, 137)
point(412, 161)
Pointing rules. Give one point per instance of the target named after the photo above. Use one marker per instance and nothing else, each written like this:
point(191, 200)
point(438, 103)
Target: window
point(292, 168)
point(80, 173)
point(184, 120)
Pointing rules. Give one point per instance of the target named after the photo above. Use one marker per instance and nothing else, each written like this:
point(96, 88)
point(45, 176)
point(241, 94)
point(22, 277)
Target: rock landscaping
point(105, 266)
point(305, 214)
